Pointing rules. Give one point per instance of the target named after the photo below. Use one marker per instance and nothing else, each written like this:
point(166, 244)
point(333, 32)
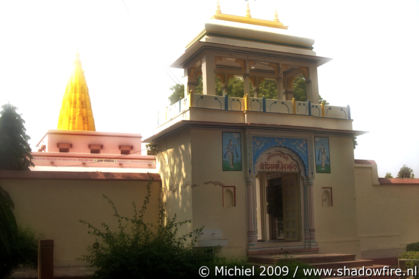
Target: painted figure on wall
point(230, 153)
point(232, 160)
point(321, 145)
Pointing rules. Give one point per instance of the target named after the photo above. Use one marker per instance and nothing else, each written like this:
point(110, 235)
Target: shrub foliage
point(134, 248)
point(137, 249)
point(412, 257)
point(413, 246)
point(17, 246)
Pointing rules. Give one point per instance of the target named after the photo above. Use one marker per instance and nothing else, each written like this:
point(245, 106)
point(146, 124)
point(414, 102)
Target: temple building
point(266, 174)
point(251, 154)
point(77, 146)
point(263, 163)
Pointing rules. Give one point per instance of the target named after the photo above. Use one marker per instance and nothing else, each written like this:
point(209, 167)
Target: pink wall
point(80, 141)
point(79, 154)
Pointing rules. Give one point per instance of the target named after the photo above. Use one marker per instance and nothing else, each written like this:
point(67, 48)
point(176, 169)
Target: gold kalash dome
point(76, 111)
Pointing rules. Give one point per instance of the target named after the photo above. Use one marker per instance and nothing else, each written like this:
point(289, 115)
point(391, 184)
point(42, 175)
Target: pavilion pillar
point(246, 79)
point(250, 178)
point(255, 83)
point(208, 74)
point(312, 85)
point(309, 229)
point(280, 83)
point(252, 231)
point(187, 82)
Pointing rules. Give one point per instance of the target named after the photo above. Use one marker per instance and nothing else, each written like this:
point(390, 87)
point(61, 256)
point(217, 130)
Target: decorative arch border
point(298, 146)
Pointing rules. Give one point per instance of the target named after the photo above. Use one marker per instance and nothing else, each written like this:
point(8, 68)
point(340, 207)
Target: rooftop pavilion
point(257, 54)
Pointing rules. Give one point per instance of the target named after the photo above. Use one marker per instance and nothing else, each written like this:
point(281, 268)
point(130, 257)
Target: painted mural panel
point(232, 157)
point(321, 147)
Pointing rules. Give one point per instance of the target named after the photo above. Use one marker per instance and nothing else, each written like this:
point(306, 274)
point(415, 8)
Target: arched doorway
point(280, 196)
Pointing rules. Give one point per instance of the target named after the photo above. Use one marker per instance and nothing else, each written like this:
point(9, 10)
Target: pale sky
point(127, 47)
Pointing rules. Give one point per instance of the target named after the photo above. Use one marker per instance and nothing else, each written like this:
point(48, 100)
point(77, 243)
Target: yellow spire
point(76, 112)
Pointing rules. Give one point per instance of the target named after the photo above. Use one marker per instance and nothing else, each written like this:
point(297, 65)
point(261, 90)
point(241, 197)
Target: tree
point(355, 141)
point(299, 88)
point(405, 172)
point(15, 152)
point(235, 88)
point(388, 175)
point(268, 89)
point(178, 93)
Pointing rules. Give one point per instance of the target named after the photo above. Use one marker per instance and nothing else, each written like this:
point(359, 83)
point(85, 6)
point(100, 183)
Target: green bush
point(136, 249)
point(414, 256)
point(17, 246)
point(412, 246)
point(26, 247)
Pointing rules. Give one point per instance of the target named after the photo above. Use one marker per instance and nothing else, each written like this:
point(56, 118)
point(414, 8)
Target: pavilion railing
point(227, 103)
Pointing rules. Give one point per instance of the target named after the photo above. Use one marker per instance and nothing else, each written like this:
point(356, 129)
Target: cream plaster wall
point(387, 214)
point(52, 208)
point(192, 158)
point(222, 225)
point(336, 226)
point(175, 168)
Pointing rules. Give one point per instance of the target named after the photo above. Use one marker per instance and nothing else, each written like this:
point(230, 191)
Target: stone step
point(304, 258)
point(67, 272)
point(340, 264)
point(326, 261)
point(267, 250)
point(377, 266)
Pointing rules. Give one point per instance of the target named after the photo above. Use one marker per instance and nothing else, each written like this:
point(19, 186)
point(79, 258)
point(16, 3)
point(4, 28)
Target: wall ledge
point(398, 181)
point(365, 162)
point(9, 174)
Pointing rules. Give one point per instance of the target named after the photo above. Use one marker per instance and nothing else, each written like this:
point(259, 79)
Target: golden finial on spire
point(248, 9)
point(218, 11)
point(276, 19)
point(77, 56)
point(76, 110)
